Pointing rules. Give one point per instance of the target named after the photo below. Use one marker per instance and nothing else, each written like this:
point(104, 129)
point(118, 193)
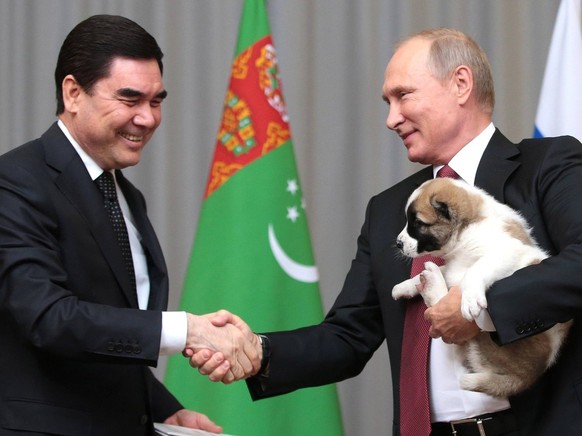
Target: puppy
point(481, 241)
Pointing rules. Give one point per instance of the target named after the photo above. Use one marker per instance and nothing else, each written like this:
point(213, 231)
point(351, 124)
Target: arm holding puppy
point(448, 322)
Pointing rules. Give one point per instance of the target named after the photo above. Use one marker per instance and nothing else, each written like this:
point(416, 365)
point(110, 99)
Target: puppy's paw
point(476, 382)
point(434, 285)
point(472, 304)
point(406, 289)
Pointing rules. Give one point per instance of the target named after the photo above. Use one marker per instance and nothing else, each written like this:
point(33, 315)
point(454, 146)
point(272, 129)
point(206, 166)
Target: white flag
point(560, 106)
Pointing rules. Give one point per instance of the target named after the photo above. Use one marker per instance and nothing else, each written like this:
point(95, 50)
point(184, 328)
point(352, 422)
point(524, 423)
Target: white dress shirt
point(448, 401)
point(174, 324)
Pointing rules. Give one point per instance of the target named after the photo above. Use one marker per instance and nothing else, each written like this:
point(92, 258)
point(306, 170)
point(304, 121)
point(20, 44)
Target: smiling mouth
point(404, 136)
point(130, 137)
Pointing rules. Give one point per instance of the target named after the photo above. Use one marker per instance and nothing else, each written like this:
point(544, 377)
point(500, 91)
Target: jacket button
point(143, 420)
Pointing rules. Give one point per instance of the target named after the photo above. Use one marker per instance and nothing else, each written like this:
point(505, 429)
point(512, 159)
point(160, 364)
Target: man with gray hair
point(439, 89)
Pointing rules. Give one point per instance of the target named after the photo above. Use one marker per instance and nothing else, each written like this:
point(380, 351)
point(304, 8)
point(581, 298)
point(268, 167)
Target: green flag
point(252, 253)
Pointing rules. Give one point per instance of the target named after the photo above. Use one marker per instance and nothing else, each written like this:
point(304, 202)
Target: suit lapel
point(420, 177)
point(497, 164)
point(73, 180)
point(149, 241)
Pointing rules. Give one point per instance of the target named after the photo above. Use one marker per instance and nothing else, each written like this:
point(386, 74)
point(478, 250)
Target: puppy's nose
point(399, 244)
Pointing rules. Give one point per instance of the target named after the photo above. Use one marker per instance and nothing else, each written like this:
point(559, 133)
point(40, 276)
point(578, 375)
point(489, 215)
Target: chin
point(416, 158)
point(129, 162)
point(133, 157)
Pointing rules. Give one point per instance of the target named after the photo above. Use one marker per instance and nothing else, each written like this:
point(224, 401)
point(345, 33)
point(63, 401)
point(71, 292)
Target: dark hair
point(93, 44)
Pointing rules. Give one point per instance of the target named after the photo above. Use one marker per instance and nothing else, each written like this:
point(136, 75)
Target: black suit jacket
point(75, 347)
point(540, 177)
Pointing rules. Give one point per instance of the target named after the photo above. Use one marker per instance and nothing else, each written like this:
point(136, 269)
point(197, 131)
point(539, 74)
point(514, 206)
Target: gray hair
point(451, 48)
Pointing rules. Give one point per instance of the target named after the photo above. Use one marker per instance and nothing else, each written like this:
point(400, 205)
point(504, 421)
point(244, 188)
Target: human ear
point(71, 93)
point(463, 81)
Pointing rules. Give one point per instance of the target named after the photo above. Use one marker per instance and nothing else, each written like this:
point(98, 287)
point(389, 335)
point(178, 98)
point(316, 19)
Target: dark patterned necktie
point(106, 185)
point(414, 398)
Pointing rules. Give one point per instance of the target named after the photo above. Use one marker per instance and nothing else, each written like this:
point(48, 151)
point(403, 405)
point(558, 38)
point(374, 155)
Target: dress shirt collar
point(94, 169)
point(466, 161)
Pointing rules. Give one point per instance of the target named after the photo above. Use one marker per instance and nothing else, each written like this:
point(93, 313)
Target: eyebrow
point(133, 93)
point(396, 91)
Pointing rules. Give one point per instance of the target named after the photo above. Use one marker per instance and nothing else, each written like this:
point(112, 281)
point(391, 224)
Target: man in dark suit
point(78, 325)
point(439, 89)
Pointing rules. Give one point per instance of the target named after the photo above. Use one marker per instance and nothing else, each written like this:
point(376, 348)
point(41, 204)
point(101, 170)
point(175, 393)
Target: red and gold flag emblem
point(254, 113)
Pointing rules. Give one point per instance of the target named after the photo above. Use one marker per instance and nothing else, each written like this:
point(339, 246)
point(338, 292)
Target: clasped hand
point(222, 346)
point(447, 322)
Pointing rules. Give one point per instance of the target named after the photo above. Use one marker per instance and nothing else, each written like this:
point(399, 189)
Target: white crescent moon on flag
point(295, 270)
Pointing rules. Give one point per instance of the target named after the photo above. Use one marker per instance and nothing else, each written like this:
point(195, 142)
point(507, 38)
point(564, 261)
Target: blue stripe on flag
point(537, 133)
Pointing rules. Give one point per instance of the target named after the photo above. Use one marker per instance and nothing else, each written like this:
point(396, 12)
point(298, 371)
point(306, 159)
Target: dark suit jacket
point(75, 348)
point(540, 177)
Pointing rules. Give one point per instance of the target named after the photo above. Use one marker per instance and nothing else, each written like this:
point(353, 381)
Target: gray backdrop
point(332, 56)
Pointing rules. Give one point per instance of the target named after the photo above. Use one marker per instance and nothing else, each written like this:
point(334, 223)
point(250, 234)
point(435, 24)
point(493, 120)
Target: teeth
point(133, 138)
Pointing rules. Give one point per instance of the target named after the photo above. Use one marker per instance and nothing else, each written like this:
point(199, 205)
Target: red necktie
point(414, 399)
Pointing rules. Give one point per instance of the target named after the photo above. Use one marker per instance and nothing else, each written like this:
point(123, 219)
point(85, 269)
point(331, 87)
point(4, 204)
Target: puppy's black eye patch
point(416, 226)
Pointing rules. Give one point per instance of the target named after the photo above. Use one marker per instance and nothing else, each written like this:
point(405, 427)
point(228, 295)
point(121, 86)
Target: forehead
point(408, 64)
point(139, 74)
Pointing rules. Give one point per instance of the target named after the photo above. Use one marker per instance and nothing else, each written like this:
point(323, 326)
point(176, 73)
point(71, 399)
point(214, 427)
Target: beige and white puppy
point(481, 241)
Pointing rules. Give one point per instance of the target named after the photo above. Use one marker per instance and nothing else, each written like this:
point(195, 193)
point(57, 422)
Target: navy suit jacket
point(542, 178)
point(75, 346)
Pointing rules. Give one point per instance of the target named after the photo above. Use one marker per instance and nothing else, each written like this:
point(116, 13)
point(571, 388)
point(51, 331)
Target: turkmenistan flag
point(252, 254)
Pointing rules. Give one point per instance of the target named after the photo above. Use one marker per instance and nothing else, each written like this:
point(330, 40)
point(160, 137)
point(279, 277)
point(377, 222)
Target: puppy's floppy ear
point(441, 208)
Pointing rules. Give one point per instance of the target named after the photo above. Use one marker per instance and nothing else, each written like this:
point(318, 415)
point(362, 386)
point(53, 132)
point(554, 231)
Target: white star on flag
point(292, 213)
point(292, 186)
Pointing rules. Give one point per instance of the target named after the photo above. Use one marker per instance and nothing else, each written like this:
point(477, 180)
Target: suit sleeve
point(164, 404)
point(535, 298)
point(53, 297)
point(334, 350)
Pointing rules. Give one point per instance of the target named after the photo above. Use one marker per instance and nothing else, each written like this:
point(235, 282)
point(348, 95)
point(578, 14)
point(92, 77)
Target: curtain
point(332, 56)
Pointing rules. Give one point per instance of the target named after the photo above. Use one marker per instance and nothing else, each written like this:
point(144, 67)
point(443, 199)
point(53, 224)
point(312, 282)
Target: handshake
point(222, 346)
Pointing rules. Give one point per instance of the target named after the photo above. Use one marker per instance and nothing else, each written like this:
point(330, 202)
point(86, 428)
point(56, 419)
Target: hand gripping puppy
point(481, 241)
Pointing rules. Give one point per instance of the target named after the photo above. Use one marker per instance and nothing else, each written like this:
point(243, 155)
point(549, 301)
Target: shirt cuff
point(174, 332)
point(484, 322)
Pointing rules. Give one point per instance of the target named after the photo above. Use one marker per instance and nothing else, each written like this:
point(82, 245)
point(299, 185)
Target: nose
point(399, 244)
point(394, 118)
point(147, 116)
